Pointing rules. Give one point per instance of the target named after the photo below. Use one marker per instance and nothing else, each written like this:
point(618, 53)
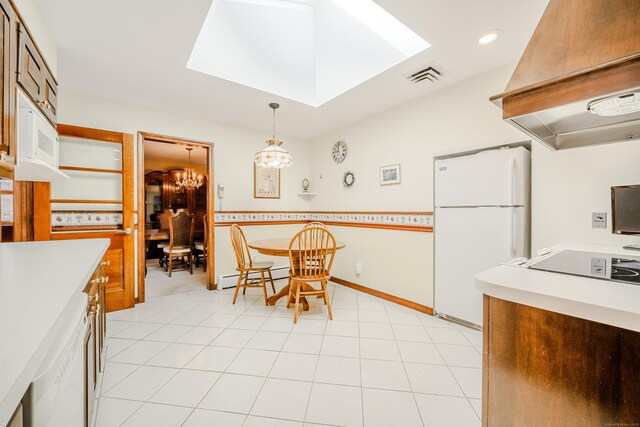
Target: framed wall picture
point(390, 174)
point(266, 183)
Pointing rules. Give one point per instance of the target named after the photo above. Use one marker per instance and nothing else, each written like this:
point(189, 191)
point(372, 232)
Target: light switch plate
point(599, 220)
point(599, 267)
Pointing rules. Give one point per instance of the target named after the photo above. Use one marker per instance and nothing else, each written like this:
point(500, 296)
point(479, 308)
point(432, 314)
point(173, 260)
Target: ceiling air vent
point(431, 73)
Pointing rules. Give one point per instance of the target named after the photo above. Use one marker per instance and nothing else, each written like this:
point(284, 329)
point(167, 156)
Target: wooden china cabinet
point(162, 193)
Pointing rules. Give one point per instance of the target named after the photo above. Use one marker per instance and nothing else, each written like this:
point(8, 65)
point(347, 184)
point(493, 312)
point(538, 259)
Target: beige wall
point(454, 119)
point(233, 166)
point(234, 146)
point(566, 185)
point(569, 185)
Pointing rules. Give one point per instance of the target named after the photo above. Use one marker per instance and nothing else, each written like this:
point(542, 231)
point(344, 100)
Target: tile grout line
point(270, 369)
point(225, 302)
point(415, 401)
point(181, 369)
point(456, 379)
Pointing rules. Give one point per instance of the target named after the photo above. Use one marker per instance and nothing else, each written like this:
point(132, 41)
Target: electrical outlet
point(599, 220)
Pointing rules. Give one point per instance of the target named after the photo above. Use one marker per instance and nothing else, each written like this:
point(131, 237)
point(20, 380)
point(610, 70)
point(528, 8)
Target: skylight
point(310, 51)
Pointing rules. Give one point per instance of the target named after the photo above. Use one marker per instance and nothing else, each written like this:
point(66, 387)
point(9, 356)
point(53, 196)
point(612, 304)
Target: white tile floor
point(193, 359)
point(158, 283)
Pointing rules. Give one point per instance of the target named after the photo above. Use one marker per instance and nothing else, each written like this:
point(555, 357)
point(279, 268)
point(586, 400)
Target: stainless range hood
point(581, 51)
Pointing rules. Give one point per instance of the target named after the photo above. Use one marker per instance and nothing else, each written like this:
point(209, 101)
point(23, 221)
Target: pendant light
point(274, 156)
point(189, 178)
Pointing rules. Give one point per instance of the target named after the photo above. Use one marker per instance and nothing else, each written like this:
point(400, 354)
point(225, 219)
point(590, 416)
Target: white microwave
point(38, 145)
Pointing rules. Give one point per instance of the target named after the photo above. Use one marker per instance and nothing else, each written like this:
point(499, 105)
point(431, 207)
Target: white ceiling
point(137, 51)
point(174, 152)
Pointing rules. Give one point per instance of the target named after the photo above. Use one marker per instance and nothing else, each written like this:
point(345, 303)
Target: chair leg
point(204, 262)
point(295, 313)
point(264, 287)
point(246, 283)
point(235, 294)
point(190, 263)
point(326, 300)
point(170, 264)
point(271, 279)
point(290, 295)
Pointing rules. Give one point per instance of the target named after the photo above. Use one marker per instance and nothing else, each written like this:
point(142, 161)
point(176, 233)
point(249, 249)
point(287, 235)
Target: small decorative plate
point(348, 179)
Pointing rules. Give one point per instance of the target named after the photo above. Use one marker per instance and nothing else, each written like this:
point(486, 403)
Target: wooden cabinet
point(5, 79)
point(161, 193)
point(34, 76)
point(94, 338)
point(542, 368)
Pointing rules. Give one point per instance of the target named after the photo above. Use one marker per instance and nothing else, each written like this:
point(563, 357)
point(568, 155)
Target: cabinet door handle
point(44, 104)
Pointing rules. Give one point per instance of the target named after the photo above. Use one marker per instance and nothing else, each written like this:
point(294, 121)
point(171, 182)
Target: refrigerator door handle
point(512, 179)
point(514, 235)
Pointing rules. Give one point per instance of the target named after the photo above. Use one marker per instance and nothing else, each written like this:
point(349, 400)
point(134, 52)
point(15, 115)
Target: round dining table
point(280, 247)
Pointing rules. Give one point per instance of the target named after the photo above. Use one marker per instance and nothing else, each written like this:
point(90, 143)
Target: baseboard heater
point(226, 281)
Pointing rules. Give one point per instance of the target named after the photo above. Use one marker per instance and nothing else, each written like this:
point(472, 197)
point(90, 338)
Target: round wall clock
point(339, 151)
point(348, 179)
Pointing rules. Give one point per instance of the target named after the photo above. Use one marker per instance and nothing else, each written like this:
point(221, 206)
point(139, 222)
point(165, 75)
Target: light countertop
point(37, 283)
point(603, 301)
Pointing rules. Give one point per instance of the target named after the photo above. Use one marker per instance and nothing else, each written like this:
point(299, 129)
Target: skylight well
point(310, 51)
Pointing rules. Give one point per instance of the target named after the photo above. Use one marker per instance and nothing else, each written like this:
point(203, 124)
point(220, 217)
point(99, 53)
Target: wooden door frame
point(209, 146)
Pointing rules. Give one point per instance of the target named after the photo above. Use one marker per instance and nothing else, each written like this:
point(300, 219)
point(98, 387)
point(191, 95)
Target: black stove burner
point(626, 270)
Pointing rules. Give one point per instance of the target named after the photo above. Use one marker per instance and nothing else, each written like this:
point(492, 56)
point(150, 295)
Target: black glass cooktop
point(624, 269)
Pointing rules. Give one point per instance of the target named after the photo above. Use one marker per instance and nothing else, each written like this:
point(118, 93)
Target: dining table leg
point(284, 292)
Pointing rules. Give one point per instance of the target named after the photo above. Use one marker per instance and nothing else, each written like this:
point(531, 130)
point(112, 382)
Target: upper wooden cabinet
point(5, 75)
point(34, 76)
point(20, 57)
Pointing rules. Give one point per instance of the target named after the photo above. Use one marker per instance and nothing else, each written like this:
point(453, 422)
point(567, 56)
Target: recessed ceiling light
point(489, 37)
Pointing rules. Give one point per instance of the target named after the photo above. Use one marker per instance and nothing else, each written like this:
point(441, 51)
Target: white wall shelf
point(307, 194)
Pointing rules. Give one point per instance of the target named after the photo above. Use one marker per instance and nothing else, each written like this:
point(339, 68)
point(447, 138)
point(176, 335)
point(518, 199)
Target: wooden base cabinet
point(94, 340)
point(542, 368)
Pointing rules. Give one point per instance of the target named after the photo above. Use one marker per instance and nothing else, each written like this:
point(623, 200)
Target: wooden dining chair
point(316, 224)
point(180, 240)
point(246, 266)
point(201, 246)
point(311, 254)
point(163, 224)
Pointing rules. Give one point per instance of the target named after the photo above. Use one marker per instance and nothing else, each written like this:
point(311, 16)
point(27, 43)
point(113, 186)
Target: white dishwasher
point(56, 395)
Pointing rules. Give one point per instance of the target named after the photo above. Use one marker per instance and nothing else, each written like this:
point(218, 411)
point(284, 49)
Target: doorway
point(161, 164)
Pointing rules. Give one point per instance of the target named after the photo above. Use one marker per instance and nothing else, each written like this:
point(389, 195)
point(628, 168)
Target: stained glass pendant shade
point(274, 156)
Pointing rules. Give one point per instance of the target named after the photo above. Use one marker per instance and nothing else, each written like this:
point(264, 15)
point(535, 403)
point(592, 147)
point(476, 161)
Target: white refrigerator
point(481, 219)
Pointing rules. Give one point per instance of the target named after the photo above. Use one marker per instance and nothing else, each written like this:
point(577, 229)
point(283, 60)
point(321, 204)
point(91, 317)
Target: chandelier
point(274, 156)
point(189, 178)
